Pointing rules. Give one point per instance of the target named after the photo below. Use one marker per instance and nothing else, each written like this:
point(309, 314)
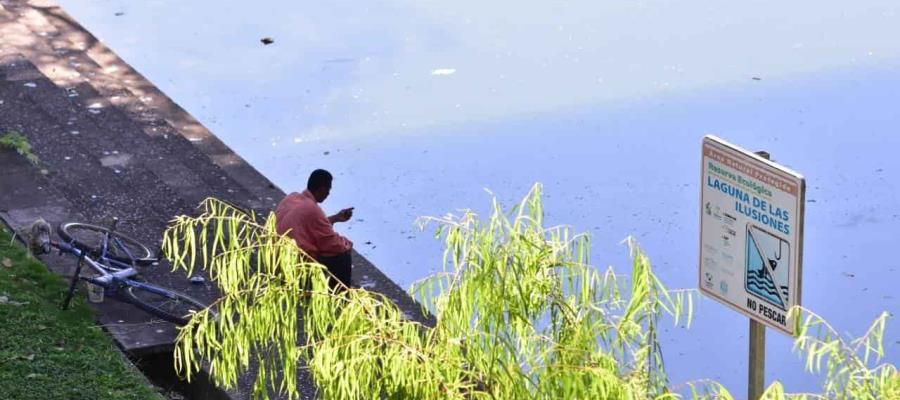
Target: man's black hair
point(318, 179)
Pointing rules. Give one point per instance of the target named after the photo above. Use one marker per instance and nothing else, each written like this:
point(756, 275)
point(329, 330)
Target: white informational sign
point(751, 233)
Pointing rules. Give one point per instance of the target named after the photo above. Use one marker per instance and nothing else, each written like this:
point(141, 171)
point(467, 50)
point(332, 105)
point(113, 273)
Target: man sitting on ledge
point(300, 216)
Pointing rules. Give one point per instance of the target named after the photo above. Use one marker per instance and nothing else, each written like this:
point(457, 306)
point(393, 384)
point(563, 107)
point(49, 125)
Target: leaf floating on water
point(444, 71)
point(266, 40)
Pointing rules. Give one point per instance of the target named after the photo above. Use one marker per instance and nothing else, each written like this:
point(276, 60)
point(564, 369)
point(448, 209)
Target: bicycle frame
point(114, 275)
point(110, 281)
point(105, 276)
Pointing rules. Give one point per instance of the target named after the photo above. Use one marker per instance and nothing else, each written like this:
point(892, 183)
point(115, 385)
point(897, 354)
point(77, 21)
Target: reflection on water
point(416, 107)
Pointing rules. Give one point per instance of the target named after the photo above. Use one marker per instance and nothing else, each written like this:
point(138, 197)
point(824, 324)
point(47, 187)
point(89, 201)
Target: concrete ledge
point(52, 72)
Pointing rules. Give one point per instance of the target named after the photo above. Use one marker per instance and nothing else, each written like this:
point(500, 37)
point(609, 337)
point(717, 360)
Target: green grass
point(47, 353)
point(19, 143)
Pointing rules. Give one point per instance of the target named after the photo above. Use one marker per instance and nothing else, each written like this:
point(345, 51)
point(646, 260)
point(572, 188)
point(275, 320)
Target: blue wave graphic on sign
point(768, 263)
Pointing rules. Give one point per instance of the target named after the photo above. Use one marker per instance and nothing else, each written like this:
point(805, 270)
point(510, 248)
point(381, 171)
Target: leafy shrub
point(519, 314)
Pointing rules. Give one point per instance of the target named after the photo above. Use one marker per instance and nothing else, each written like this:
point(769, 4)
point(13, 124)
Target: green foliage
point(261, 277)
point(535, 320)
point(19, 143)
point(519, 314)
point(852, 368)
point(49, 353)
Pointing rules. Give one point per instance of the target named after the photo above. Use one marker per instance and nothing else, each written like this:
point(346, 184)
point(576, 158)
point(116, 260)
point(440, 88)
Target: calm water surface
point(419, 106)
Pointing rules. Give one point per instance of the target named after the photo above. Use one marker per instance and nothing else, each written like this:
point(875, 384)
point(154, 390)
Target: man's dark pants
point(339, 266)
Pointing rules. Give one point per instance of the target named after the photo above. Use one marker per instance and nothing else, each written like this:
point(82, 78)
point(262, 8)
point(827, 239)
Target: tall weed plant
point(519, 313)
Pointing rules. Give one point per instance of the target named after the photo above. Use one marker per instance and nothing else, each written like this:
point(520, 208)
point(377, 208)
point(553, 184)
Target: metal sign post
point(751, 242)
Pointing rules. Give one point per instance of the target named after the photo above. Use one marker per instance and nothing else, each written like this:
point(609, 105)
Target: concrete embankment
point(112, 145)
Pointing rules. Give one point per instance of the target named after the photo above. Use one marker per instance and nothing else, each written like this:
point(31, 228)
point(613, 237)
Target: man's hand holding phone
point(345, 214)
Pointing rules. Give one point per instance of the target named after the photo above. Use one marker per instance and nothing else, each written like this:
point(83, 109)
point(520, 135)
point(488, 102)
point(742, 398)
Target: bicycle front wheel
point(169, 305)
point(89, 238)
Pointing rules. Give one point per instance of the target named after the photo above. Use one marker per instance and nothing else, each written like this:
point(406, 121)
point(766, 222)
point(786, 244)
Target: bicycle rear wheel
point(89, 238)
point(171, 306)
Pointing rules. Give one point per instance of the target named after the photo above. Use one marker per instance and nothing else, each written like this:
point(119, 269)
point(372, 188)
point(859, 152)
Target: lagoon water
point(417, 107)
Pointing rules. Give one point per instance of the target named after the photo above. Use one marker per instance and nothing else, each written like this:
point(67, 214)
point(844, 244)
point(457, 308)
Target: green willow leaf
point(518, 313)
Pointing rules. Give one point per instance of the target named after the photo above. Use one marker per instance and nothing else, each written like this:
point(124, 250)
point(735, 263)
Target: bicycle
point(115, 257)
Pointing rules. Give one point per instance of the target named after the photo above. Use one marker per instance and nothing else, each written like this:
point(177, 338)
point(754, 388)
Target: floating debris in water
point(444, 71)
point(31, 85)
point(266, 40)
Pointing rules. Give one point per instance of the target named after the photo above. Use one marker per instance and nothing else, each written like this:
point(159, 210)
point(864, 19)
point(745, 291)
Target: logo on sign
point(708, 279)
